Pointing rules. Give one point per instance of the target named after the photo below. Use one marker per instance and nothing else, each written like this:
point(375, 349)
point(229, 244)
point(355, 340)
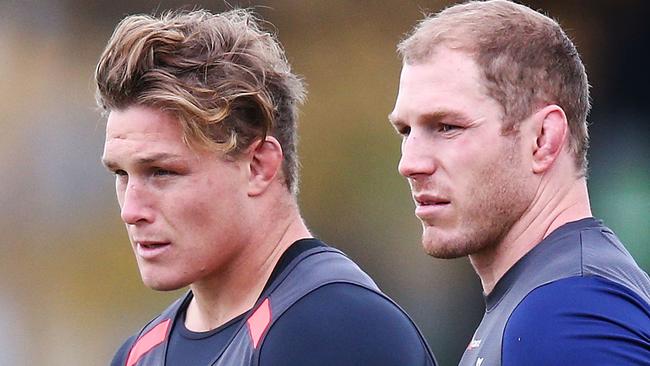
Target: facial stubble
point(496, 201)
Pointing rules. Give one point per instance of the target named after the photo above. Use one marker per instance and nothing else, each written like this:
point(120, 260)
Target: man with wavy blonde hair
point(492, 109)
point(201, 138)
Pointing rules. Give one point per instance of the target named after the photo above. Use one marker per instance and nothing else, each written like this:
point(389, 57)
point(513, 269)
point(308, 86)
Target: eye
point(447, 128)
point(121, 176)
point(162, 172)
point(404, 130)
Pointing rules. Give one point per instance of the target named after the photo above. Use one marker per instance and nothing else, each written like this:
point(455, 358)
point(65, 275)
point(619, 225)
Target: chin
point(161, 284)
point(445, 245)
point(163, 287)
point(439, 251)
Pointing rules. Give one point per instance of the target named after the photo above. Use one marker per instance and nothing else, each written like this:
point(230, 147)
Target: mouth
point(151, 249)
point(429, 206)
point(430, 200)
point(151, 245)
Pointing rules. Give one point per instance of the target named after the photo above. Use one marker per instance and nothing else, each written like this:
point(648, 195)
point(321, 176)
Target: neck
point(553, 206)
point(236, 288)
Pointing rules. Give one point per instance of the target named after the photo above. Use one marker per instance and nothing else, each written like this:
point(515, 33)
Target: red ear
point(551, 137)
point(265, 163)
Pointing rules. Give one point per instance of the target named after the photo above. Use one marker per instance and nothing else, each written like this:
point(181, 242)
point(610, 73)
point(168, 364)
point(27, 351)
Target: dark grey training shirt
point(577, 298)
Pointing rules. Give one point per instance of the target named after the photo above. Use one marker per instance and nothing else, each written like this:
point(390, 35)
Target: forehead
point(142, 122)
point(139, 132)
point(448, 79)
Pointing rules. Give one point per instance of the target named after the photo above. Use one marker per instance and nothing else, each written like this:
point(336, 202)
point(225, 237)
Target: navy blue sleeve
point(579, 321)
point(123, 352)
point(343, 325)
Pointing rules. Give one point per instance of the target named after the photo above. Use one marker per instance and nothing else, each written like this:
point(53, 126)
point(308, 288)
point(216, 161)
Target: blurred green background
point(69, 288)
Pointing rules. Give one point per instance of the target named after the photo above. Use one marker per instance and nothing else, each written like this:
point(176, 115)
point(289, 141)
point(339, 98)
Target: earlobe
point(551, 137)
point(265, 163)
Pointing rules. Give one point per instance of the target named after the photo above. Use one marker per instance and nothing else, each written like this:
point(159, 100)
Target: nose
point(417, 157)
point(135, 208)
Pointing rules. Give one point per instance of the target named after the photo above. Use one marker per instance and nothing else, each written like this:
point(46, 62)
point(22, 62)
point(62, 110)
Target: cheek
point(206, 208)
point(205, 214)
point(467, 169)
point(478, 181)
point(197, 216)
point(194, 216)
point(499, 182)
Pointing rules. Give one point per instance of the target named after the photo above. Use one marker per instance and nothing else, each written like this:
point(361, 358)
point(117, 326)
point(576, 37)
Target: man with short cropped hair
point(492, 107)
point(201, 138)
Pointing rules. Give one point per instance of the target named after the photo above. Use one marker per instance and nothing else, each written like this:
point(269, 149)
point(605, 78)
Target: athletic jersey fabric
point(577, 298)
point(336, 324)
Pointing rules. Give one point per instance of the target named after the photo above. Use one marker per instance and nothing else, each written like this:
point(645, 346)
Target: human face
point(183, 208)
point(467, 177)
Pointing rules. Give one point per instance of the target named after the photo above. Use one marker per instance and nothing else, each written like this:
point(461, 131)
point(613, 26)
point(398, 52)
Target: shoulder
point(343, 324)
point(119, 359)
point(579, 320)
point(158, 325)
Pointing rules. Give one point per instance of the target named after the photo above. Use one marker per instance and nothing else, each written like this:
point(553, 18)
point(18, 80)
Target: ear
point(551, 128)
point(265, 163)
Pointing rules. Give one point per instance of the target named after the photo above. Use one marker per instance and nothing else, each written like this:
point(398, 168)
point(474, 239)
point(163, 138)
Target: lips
point(429, 200)
point(429, 206)
point(151, 244)
point(149, 250)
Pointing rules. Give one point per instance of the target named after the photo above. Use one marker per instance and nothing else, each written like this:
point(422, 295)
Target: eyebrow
point(433, 116)
point(146, 160)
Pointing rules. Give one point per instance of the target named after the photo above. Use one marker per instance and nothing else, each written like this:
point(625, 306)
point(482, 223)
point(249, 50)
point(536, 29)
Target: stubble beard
point(485, 216)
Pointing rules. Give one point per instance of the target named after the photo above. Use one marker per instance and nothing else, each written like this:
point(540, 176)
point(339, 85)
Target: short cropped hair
point(525, 58)
point(225, 79)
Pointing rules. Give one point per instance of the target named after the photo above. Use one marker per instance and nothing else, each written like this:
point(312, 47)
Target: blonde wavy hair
point(225, 79)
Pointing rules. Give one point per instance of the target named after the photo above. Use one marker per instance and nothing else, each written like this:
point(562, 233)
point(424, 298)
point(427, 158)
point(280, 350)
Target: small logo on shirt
point(475, 343)
point(479, 361)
